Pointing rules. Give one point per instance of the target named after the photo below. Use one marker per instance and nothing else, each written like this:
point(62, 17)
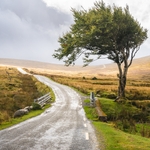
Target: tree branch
point(133, 53)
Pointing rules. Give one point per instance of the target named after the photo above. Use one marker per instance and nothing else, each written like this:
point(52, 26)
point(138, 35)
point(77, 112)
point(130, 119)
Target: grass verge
point(110, 138)
point(31, 114)
point(114, 139)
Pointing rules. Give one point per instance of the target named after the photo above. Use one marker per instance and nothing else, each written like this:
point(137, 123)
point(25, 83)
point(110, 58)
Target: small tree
point(103, 30)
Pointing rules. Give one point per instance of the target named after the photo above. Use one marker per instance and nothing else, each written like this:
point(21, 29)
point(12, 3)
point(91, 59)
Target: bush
point(112, 96)
point(83, 78)
point(108, 95)
point(36, 106)
point(94, 78)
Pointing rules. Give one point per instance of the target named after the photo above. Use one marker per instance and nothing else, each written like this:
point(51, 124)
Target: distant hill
point(48, 67)
point(140, 67)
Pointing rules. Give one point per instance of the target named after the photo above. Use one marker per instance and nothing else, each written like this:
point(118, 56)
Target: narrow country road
point(61, 127)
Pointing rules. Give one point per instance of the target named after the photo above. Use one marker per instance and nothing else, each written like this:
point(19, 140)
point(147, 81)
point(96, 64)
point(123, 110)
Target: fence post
point(92, 98)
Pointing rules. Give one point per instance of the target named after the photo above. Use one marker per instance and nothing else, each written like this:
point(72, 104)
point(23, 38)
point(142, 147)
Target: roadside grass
point(114, 139)
point(91, 113)
point(114, 109)
point(111, 138)
point(31, 114)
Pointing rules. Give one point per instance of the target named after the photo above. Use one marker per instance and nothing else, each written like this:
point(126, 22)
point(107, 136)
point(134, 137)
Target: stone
point(20, 112)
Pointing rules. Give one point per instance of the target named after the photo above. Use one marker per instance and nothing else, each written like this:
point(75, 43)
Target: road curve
point(61, 127)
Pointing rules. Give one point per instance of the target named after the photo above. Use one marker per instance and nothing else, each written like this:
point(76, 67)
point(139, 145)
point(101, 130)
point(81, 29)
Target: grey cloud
point(35, 11)
point(30, 30)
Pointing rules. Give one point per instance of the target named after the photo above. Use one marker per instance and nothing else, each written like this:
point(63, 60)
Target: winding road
point(61, 127)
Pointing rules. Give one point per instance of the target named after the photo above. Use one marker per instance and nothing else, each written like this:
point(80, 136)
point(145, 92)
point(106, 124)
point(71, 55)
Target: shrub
point(94, 78)
point(111, 95)
point(36, 106)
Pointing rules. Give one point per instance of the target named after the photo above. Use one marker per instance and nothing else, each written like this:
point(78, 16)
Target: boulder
point(20, 112)
point(28, 108)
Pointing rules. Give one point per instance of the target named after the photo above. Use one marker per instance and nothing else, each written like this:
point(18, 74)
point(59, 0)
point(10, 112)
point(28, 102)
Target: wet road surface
point(61, 127)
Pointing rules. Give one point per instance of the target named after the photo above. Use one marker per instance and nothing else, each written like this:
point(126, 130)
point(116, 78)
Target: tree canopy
point(103, 30)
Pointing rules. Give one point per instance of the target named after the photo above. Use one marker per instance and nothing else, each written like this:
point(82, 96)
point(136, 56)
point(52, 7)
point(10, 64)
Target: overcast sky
point(29, 29)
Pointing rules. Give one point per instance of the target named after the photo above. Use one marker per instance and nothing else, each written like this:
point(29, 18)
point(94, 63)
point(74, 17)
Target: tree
point(109, 31)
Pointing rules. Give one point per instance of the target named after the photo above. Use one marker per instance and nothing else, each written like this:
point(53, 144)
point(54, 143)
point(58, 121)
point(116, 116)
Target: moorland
point(17, 91)
point(128, 122)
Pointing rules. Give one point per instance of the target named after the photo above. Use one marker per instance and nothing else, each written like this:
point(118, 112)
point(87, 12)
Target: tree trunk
point(122, 82)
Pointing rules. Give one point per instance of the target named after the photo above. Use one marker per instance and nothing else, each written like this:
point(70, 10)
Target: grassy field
point(16, 92)
point(106, 86)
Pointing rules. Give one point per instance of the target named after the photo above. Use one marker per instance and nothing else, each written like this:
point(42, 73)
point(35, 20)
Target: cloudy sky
point(29, 29)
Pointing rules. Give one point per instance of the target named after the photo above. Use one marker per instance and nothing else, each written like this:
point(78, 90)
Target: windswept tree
point(109, 31)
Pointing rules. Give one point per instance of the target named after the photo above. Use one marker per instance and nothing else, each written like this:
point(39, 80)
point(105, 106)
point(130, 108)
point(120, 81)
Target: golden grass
point(135, 89)
point(17, 91)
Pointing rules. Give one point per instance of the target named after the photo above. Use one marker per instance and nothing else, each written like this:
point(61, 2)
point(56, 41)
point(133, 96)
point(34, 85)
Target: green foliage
point(127, 117)
point(143, 129)
point(110, 95)
point(101, 30)
point(36, 106)
point(117, 111)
